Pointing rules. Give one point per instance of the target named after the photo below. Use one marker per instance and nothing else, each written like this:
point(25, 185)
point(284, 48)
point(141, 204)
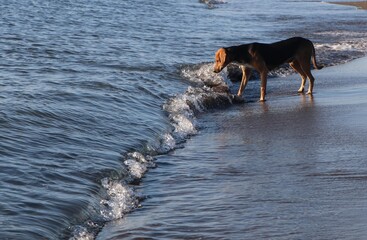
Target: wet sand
point(294, 167)
point(359, 4)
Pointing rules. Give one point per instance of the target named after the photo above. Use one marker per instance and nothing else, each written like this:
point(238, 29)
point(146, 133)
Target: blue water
point(92, 91)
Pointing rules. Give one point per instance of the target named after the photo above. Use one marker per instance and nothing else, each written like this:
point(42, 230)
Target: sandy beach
point(291, 168)
point(358, 4)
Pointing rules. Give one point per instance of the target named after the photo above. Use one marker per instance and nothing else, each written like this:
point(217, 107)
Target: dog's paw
point(237, 99)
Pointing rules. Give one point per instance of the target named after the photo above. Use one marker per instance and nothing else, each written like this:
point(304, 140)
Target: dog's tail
point(318, 67)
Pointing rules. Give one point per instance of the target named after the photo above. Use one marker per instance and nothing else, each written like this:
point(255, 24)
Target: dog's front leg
point(246, 74)
point(263, 75)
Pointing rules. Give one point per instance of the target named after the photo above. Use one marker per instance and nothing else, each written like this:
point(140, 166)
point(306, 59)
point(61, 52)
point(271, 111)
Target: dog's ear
point(222, 54)
point(252, 50)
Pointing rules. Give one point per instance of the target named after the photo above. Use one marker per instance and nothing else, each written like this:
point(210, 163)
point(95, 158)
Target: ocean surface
point(93, 92)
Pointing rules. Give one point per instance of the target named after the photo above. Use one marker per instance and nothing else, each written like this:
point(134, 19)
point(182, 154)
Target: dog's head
point(221, 60)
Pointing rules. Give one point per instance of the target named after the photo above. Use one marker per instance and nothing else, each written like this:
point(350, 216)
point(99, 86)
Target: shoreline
point(358, 4)
point(291, 167)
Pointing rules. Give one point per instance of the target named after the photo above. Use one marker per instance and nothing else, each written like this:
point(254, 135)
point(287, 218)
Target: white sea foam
point(147, 159)
point(184, 125)
point(340, 52)
point(344, 33)
point(346, 45)
point(343, 46)
point(212, 3)
point(136, 168)
point(178, 105)
point(120, 199)
point(183, 108)
point(137, 164)
point(181, 116)
point(82, 233)
point(168, 143)
point(203, 74)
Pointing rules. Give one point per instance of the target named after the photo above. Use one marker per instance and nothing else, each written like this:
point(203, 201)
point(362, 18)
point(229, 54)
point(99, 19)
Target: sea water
point(92, 91)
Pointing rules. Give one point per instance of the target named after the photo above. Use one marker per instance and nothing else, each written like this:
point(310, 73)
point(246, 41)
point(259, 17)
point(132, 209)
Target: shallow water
point(90, 90)
point(291, 168)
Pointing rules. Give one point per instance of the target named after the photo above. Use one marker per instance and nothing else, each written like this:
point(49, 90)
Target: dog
point(262, 57)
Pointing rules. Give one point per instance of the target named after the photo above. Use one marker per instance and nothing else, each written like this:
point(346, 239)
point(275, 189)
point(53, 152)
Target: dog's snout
point(217, 69)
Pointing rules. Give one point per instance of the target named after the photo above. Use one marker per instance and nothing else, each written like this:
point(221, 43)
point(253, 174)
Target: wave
point(343, 51)
point(212, 3)
point(206, 91)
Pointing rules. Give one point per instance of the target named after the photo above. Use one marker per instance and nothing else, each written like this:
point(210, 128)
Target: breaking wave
point(206, 91)
point(331, 54)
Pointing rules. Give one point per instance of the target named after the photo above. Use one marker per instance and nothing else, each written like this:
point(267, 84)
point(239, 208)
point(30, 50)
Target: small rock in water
point(221, 89)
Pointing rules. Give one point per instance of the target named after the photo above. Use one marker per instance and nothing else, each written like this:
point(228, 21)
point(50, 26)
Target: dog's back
point(277, 53)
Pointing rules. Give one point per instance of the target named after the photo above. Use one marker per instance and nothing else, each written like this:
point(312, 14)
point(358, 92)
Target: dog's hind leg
point(246, 73)
point(312, 80)
point(297, 67)
point(306, 67)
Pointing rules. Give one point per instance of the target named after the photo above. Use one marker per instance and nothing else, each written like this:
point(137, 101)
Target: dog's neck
point(239, 54)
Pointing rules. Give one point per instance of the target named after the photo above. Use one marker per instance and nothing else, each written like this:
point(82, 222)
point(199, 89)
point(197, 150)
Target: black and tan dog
point(262, 57)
